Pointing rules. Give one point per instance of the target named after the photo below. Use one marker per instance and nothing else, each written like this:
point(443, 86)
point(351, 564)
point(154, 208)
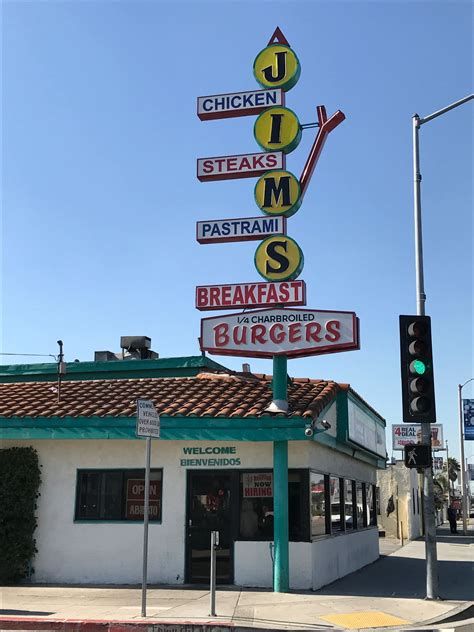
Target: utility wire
point(43, 355)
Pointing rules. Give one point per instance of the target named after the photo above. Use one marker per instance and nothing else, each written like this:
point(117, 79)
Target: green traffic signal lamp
point(417, 367)
point(418, 400)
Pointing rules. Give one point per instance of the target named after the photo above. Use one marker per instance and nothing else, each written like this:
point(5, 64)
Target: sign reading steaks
point(290, 332)
point(241, 166)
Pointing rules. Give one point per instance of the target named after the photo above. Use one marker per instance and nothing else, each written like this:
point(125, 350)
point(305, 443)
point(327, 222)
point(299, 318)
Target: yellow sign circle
point(277, 66)
point(277, 129)
point(278, 193)
point(279, 258)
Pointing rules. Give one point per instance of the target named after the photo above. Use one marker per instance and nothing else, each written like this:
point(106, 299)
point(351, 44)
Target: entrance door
point(208, 509)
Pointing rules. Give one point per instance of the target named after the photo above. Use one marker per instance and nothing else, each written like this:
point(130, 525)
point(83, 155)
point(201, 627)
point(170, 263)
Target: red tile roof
point(205, 395)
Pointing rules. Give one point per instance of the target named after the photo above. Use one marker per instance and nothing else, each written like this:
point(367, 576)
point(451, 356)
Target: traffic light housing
point(416, 354)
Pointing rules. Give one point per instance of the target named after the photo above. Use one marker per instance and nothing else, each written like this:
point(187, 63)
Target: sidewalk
point(394, 586)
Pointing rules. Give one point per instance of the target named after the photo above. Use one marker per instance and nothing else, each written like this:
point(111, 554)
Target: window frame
point(327, 506)
point(125, 473)
point(304, 501)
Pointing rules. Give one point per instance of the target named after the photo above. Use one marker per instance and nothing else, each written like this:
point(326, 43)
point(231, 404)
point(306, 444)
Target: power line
point(42, 355)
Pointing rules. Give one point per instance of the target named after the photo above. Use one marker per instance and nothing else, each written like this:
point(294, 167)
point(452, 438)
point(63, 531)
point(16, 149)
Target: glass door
point(208, 509)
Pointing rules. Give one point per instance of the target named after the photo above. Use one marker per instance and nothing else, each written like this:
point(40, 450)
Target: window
point(256, 505)
point(335, 495)
point(359, 506)
point(117, 495)
point(318, 486)
point(369, 500)
point(349, 504)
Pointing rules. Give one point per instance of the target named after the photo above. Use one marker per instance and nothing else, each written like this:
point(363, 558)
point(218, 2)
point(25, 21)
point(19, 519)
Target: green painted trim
point(281, 566)
point(173, 429)
point(166, 422)
point(342, 416)
point(280, 377)
point(186, 366)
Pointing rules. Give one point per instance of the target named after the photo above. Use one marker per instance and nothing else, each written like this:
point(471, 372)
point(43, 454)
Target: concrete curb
point(86, 625)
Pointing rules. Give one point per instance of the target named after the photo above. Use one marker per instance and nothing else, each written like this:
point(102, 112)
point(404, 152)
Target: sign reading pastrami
point(210, 297)
point(241, 166)
point(241, 229)
point(289, 332)
point(238, 103)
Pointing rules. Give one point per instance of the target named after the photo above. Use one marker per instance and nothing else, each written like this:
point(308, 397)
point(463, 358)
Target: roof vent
point(104, 356)
point(137, 347)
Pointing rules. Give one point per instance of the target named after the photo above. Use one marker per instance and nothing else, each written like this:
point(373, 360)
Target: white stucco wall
point(108, 552)
point(334, 557)
point(253, 564)
point(401, 483)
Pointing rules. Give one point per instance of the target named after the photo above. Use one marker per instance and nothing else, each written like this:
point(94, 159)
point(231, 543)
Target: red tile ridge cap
point(218, 376)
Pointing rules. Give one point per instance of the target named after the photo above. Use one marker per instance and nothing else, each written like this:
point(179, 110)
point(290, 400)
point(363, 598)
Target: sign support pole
point(281, 582)
point(145, 524)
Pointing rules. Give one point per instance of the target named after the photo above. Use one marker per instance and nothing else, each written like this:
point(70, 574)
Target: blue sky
point(100, 196)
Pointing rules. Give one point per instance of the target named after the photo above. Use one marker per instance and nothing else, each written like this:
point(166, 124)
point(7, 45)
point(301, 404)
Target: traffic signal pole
point(432, 586)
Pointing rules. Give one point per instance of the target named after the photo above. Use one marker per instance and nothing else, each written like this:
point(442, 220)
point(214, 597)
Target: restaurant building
point(211, 470)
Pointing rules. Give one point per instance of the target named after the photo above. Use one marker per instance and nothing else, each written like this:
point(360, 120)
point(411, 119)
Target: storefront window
point(359, 506)
point(349, 509)
point(117, 495)
point(318, 504)
point(337, 523)
point(370, 503)
point(257, 509)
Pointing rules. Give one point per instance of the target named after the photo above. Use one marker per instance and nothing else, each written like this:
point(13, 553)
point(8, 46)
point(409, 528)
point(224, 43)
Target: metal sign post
point(148, 425)
point(281, 574)
point(212, 592)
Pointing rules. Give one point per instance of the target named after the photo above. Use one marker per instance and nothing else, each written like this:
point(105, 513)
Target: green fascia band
point(186, 366)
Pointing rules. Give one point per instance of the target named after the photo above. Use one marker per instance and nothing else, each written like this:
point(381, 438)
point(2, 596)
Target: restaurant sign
point(238, 103)
point(239, 229)
point(289, 332)
point(241, 166)
point(288, 293)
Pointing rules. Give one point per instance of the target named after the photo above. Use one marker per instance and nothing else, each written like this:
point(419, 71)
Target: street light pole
point(464, 477)
point(428, 487)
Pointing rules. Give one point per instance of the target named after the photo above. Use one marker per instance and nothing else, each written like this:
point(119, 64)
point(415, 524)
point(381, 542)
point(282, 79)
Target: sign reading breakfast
point(279, 329)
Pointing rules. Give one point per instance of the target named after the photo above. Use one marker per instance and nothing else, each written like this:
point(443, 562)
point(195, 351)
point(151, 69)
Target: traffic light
point(418, 397)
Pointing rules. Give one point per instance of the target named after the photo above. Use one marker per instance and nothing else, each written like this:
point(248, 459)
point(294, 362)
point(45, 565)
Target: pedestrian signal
point(418, 397)
point(417, 456)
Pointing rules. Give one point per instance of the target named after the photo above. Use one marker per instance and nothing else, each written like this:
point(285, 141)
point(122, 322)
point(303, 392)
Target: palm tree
point(451, 470)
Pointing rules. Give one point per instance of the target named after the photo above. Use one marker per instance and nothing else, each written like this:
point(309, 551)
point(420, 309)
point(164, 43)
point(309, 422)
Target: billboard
point(406, 434)
point(468, 410)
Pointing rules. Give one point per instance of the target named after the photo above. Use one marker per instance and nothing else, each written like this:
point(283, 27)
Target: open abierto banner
point(468, 414)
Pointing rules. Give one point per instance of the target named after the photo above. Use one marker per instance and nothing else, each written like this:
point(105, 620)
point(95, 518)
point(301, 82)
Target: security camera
point(309, 432)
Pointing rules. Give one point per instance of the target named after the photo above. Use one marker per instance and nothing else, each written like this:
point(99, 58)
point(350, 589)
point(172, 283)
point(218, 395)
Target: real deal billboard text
point(407, 434)
point(290, 332)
